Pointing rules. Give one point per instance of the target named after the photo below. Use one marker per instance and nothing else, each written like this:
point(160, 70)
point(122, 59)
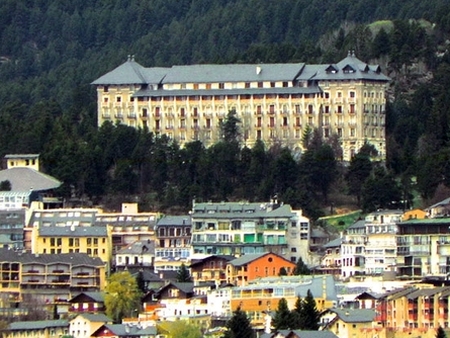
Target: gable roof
point(245, 259)
point(26, 179)
point(95, 317)
point(126, 330)
point(187, 287)
point(98, 297)
point(354, 315)
point(208, 258)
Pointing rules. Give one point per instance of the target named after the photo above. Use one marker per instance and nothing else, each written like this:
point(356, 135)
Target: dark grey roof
point(26, 179)
point(96, 296)
point(7, 255)
point(425, 292)
point(132, 72)
point(174, 221)
point(354, 315)
point(96, 317)
point(128, 330)
point(205, 259)
point(245, 259)
point(358, 224)
point(319, 233)
point(241, 210)
point(334, 243)
point(300, 333)
point(38, 325)
point(233, 73)
point(350, 68)
point(138, 247)
point(73, 231)
point(187, 287)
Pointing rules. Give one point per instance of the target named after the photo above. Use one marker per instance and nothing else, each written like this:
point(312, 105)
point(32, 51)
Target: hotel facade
point(274, 102)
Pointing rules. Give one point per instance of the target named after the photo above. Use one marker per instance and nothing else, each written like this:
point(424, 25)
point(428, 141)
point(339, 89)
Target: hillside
point(51, 51)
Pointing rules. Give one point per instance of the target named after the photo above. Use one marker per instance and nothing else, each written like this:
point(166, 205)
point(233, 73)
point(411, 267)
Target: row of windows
point(75, 241)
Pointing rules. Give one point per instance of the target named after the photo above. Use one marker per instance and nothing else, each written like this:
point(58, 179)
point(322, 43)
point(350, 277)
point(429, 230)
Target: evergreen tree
point(301, 268)
point(297, 315)
point(239, 326)
point(440, 333)
point(183, 275)
point(283, 317)
point(309, 313)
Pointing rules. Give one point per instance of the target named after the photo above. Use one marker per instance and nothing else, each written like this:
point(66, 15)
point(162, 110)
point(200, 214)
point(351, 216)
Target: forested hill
point(50, 47)
point(51, 50)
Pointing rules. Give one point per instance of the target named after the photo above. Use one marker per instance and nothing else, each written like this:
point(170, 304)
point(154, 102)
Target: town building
point(37, 329)
point(331, 261)
point(127, 330)
point(83, 325)
point(211, 269)
point(275, 102)
point(423, 247)
point(369, 246)
point(88, 302)
point(173, 242)
point(249, 267)
point(12, 223)
point(27, 184)
point(47, 280)
point(346, 323)
point(264, 294)
point(237, 229)
point(138, 255)
point(128, 226)
point(415, 310)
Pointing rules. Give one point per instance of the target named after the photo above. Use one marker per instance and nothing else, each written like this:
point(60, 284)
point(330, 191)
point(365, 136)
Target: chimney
point(258, 70)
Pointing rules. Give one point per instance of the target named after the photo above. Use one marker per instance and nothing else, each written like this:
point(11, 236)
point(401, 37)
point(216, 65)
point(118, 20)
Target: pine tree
point(310, 314)
point(440, 333)
point(183, 275)
point(301, 268)
point(283, 318)
point(297, 315)
point(239, 326)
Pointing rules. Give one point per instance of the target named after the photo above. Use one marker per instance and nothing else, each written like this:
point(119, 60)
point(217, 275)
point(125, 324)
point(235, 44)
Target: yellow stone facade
point(347, 100)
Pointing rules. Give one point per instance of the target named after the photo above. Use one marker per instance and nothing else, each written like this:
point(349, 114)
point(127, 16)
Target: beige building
point(275, 102)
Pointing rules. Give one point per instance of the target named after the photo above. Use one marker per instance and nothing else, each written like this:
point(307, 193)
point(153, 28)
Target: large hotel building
point(274, 102)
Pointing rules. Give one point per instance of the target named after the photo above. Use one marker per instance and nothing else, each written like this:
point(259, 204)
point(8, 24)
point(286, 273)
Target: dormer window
point(331, 69)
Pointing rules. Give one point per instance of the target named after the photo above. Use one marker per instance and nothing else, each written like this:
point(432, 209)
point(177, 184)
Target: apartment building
point(249, 228)
point(46, 280)
point(369, 246)
point(173, 242)
point(275, 102)
point(414, 311)
point(128, 226)
point(423, 247)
